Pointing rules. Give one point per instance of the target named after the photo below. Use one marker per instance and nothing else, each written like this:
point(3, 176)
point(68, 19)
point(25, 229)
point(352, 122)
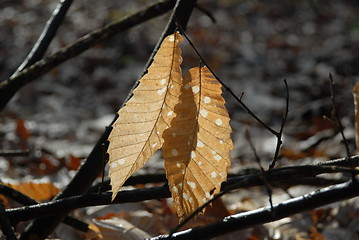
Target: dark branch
point(14, 153)
point(182, 9)
point(264, 215)
point(264, 177)
point(5, 225)
point(27, 201)
point(284, 120)
point(70, 203)
point(228, 89)
point(49, 32)
point(336, 116)
point(282, 176)
point(10, 86)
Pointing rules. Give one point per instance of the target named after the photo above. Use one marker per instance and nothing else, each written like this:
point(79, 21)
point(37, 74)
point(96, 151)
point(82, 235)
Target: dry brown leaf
point(137, 133)
point(38, 191)
point(21, 130)
point(356, 110)
point(197, 145)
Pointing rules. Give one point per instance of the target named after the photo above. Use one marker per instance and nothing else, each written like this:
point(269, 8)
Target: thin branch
point(284, 120)
point(263, 215)
point(14, 153)
point(239, 100)
point(131, 181)
point(10, 86)
point(281, 175)
point(48, 33)
point(264, 177)
point(206, 12)
point(183, 9)
point(338, 122)
point(5, 225)
point(27, 201)
point(93, 199)
point(273, 176)
point(336, 116)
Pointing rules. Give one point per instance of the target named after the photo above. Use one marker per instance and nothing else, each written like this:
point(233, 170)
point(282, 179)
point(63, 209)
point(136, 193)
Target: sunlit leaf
point(137, 133)
point(197, 145)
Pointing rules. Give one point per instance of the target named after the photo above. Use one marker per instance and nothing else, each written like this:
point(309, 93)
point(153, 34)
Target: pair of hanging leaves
point(186, 117)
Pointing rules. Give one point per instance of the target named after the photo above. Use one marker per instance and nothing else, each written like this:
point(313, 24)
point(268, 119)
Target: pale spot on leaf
point(203, 113)
point(154, 145)
point(207, 100)
point(163, 81)
point(170, 113)
point(171, 38)
point(219, 122)
point(114, 165)
point(217, 157)
point(200, 163)
point(200, 143)
point(174, 152)
point(161, 91)
point(195, 89)
point(192, 184)
point(193, 154)
point(178, 165)
point(185, 196)
point(175, 189)
point(220, 141)
point(213, 174)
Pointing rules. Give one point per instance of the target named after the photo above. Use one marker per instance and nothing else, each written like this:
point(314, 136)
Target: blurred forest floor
point(252, 47)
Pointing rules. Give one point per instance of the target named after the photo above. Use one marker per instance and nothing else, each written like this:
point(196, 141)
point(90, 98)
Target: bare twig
point(206, 12)
point(133, 180)
point(239, 100)
point(5, 225)
point(94, 199)
point(46, 36)
point(263, 215)
point(265, 181)
point(281, 175)
point(336, 116)
point(279, 134)
point(338, 122)
point(183, 9)
point(27, 201)
point(272, 176)
point(10, 86)
point(14, 153)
